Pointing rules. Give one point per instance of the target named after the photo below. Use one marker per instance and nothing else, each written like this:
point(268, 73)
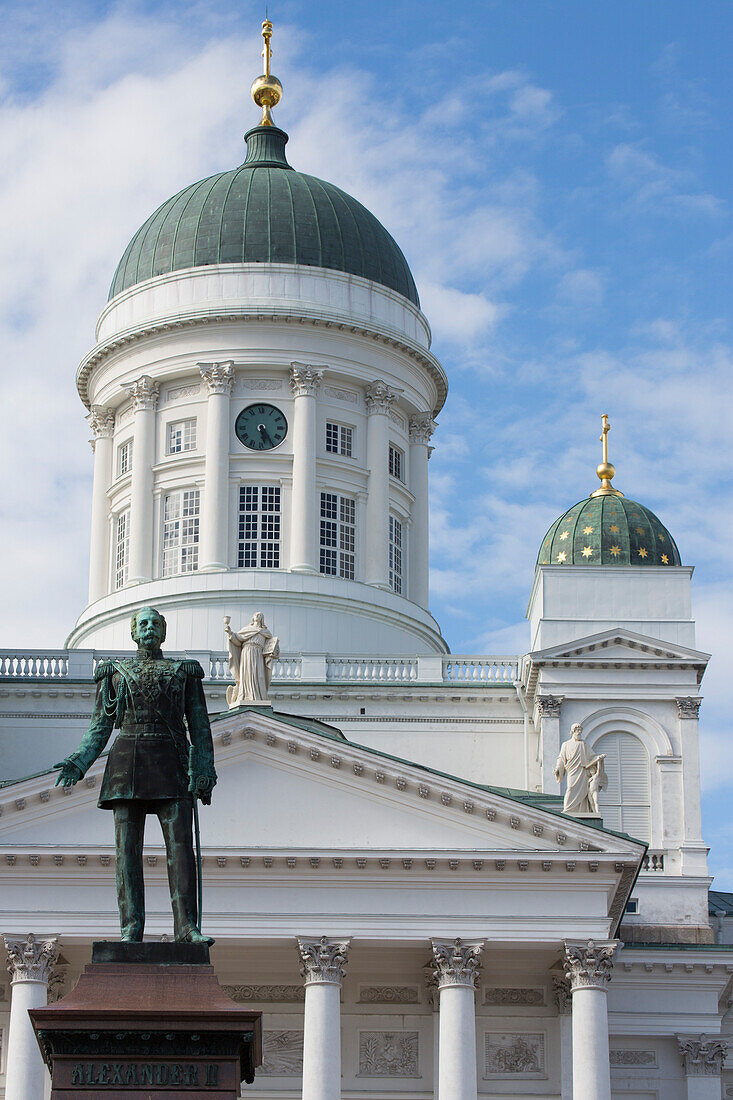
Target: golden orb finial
point(605, 470)
point(267, 90)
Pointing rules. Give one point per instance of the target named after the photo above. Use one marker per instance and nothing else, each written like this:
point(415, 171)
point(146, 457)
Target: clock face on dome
point(261, 427)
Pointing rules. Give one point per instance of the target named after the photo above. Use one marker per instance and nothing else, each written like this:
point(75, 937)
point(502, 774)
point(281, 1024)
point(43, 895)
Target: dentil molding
point(323, 960)
point(589, 965)
point(31, 960)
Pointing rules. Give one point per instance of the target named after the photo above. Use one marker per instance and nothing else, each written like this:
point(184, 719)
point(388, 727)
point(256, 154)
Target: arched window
point(625, 803)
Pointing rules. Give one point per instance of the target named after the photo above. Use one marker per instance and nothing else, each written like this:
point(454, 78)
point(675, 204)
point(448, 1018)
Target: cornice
point(317, 318)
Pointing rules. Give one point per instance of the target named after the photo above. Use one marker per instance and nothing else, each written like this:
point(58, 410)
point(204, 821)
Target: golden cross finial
point(267, 90)
point(606, 471)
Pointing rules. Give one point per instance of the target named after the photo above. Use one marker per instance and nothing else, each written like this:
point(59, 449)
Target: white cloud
point(657, 187)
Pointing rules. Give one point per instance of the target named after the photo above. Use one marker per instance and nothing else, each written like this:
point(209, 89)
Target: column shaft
point(322, 966)
point(421, 429)
point(456, 969)
point(144, 394)
point(548, 709)
point(304, 383)
point(379, 400)
point(588, 969)
point(31, 963)
point(215, 520)
point(102, 423)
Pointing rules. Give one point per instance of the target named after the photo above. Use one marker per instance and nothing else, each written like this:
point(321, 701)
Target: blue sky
point(558, 176)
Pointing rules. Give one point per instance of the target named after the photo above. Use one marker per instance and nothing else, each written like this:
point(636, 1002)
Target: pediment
point(296, 788)
point(619, 644)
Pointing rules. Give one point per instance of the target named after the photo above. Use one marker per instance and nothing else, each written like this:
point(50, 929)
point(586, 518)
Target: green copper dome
point(264, 212)
point(608, 530)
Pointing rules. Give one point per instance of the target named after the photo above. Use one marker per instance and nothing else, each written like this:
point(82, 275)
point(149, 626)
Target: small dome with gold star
point(607, 528)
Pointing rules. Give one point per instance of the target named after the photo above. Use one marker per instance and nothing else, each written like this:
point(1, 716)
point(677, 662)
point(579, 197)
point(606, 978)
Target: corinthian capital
point(689, 707)
point(702, 1056)
point(323, 960)
point(379, 398)
point(219, 377)
point(305, 381)
point(422, 427)
point(144, 392)
point(589, 965)
point(29, 959)
point(549, 706)
point(102, 421)
point(456, 963)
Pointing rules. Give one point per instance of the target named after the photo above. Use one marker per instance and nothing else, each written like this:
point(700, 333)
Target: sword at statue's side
point(199, 877)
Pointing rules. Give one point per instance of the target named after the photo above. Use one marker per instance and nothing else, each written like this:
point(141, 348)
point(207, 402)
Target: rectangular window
point(259, 527)
point(122, 548)
point(395, 555)
point(181, 532)
point(338, 536)
point(339, 439)
point(181, 436)
point(124, 458)
point(396, 463)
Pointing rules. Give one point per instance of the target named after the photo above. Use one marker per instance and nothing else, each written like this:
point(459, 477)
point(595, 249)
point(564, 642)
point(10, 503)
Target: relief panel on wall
point(514, 1054)
point(282, 1054)
point(388, 1054)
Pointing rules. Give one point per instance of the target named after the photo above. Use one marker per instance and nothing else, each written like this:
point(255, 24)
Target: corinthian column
point(379, 400)
point(323, 962)
point(422, 427)
point(588, 969)
point(102, 422)
point(219, 378)
point(144, 394)
point(30, 962)
point(457, 966)
point(702, 1061)
point(305, 381)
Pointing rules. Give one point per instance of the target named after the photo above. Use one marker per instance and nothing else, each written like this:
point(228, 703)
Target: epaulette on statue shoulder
point(192, 668)
point(104, 669)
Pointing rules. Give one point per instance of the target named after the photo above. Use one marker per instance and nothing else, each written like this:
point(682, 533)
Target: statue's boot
point(193, 935)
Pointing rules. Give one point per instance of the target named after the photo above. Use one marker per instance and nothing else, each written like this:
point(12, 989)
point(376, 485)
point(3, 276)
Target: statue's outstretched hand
point(70, 773)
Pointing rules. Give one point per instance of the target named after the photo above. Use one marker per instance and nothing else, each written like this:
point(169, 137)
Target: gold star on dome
point(614, 528)
point(587, 551)
point(587, 530)
point(564, 535)
point(661, 538)
point(640, 530)
point(615, 550)
point(642, 552)
point(665, 559)
point(562, 556)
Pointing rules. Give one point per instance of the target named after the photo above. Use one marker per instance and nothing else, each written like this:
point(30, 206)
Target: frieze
point(282, 1054)
point(266, 994)
point(175, 393)
point(388, 1054)
point(496, 995)
point(341, 395)
point(512, 1054)
point(260, 384)
point(624, 1058)
point(389, 994)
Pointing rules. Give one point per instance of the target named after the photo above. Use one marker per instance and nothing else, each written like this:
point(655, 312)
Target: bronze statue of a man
point(152, 767)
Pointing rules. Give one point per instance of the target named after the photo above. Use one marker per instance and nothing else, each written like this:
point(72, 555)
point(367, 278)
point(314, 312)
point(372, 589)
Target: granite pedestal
point(147, 1020)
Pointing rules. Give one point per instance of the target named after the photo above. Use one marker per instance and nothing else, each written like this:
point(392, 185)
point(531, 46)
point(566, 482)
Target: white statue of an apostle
point(252, 651)
point(586, 774)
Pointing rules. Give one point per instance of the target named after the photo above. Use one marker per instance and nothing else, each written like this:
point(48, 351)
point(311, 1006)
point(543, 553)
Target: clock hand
point(264, 432)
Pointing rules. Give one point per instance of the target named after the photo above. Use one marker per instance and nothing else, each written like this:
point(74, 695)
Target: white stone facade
point(388, 872)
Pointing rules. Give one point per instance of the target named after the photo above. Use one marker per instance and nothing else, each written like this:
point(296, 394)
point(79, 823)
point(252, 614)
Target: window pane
point(181, 436)
point(122, 543)
point(338, 536)
point(395, 555)
point(259, 527)
point(395, 462)
point(181, 532)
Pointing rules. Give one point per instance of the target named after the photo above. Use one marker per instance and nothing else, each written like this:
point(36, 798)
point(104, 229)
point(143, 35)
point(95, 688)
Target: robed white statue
point(252, 652)
point(586, 774)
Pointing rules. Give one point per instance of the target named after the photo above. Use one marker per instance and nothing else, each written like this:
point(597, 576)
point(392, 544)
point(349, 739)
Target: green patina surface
point(608, 530)
point(264, 212)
